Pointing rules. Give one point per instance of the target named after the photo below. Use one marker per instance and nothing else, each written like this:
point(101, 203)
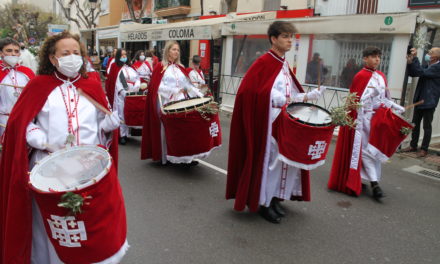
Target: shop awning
point(187, 30)
point(402, 23)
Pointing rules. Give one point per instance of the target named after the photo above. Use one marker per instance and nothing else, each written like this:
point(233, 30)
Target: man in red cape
point(11, 74)
point(15, 204)
point(250, 147)
point(352, 162)
point(151, 147)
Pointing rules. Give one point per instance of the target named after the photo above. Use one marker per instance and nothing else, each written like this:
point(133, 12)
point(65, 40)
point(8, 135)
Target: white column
point(228, 45)
point(397, 67)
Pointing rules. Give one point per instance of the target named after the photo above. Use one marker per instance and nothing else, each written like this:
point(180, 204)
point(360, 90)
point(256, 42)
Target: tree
point(85, 14)
point(25, 21)
point(136, 5)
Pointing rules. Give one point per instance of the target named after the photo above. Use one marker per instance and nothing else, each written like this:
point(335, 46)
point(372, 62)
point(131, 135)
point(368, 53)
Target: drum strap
point(123, 80)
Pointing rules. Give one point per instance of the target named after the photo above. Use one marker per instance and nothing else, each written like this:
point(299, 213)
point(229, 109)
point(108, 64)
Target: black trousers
point(427, 116)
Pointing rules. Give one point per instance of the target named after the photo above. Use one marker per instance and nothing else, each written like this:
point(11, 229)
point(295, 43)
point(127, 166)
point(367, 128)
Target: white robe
point(173, 81)
point(9, 95)
point(144, 71)
point(133, 83)
point(373, 97)
point(50, 128)
point(280, 179)
point(197, 79)
point(28, 60)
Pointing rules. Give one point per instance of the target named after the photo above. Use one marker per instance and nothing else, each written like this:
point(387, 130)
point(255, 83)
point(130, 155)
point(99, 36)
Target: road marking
point(209, 165)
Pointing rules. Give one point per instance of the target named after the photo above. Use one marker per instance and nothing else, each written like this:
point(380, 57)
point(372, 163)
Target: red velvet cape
point(15, 203)
point(342, 177)
point(110, 83)
point(151, 147)
point(23, 69)
point(249, 128)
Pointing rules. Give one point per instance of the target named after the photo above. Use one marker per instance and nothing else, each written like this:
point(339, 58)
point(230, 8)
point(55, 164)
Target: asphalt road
point(180, 215)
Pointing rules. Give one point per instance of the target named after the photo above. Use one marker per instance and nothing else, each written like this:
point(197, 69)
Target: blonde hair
point(166, 52)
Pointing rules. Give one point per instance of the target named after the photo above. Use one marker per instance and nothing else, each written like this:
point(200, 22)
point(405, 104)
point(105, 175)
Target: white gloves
point(398, 108)
point(278, 99)
point(123, 93)
point(110, 122)
point(35, 137)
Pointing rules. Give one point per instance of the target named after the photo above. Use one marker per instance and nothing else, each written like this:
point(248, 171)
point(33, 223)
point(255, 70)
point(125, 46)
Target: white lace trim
point(116, 258)
point(300, 165)
point(373, 151)
point(189, 159)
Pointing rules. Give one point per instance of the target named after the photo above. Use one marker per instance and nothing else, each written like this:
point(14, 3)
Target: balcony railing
point(165, 8)
point(160, 4)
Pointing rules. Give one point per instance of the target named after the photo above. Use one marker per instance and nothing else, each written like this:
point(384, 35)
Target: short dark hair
point(196, 59)
point(7, 41)
point(279, 27)
point(371, 50)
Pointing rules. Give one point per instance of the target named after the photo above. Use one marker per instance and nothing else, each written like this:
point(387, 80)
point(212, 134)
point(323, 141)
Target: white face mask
point(70, 65)
point(11, 60)
point(142, 57)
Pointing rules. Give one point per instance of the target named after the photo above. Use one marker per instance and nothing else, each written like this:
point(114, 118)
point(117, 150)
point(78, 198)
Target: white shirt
point(197, 79)
point(50, 129)
point(173, 81)
point(144, 71)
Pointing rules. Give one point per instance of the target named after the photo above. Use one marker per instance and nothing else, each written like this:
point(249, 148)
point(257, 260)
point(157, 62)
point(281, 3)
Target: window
point(159, 4)
point(271, 5)
point(246, 50)
point(105, 7)
point(335, 59)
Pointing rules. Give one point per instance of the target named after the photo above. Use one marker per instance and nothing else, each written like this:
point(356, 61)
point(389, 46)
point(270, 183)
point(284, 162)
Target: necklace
point(70, 139)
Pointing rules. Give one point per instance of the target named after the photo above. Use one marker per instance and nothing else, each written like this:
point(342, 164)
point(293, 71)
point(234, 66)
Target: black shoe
point(276, 206)
point(193, 163)
point(123, 141)
point(269, 214)
point(377, 192)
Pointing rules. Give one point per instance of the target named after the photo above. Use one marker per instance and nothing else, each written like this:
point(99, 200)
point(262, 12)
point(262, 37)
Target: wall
point(112, 18)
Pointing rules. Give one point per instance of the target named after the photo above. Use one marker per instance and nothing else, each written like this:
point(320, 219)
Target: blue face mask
point(124, 60)
point(427, 58)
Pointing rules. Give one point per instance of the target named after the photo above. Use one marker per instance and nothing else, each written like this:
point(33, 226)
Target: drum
point(386, 133)
point(134, 108)
point(79, 228)
point(190, 134)
point(303, 133)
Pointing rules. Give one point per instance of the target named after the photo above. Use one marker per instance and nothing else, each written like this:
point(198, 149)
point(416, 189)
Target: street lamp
point(93, 4)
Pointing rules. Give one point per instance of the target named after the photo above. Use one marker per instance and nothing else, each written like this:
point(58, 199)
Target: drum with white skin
point(303, 133)
point(190, 132)
point(79, 197)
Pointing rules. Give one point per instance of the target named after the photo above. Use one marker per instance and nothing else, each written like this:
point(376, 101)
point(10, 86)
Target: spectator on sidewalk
point(428, 90)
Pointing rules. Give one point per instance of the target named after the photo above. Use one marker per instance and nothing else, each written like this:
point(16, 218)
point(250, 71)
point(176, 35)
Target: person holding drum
point(256, 178)
point(142, 66)
point(196, 74)
point(122, 79)
point(354, 159)
point(169, 83)
point(13, 78)
point(59, 108)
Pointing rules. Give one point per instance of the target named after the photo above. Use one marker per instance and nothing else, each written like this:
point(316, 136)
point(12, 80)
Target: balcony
point(166, 8)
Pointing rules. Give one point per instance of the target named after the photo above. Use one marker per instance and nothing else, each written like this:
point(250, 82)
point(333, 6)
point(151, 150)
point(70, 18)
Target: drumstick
point(96, 104)
point(414, 105)
point(2, 125)
point(10, 85)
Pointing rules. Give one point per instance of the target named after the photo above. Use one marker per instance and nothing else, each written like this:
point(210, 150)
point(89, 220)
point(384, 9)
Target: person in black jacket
point(428, 90)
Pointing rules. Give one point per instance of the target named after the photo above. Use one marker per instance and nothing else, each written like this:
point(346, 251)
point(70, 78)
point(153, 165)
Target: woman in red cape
point(152, 140)
point(16, 217)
